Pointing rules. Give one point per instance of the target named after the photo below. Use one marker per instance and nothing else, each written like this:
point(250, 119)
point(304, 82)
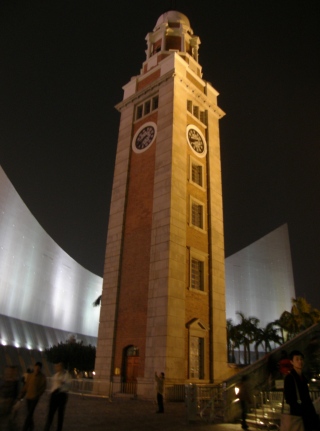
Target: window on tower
point(155, 102)
point(196, 357)
point(197, 214)
point(203, 117)
point(139, 112)
point(196, 172)
point(198, 342)
point(196, 112)
point(146, 107)
point(197, 274)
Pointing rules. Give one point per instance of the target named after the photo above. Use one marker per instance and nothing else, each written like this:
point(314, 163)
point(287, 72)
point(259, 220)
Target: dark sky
point(62, 68)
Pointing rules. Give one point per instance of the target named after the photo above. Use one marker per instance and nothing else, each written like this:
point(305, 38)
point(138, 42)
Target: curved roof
point(172, 16)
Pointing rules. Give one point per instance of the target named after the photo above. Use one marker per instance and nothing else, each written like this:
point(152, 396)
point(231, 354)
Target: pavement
point(120, 414)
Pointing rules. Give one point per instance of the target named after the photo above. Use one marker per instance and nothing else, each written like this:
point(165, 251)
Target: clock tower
point(163, 299)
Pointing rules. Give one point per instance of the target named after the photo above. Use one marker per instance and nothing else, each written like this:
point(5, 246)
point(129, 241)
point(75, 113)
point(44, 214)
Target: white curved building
point(45, 295)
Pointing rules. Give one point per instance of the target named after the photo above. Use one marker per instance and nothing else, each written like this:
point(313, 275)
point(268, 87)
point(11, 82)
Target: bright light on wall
point(42, 284)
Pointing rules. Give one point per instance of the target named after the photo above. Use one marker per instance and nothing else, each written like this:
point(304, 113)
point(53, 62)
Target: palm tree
point(288, 325)
point(234, 339)
point(266, 336)
point(230, 327)
point(248, 329)
point(304, 314)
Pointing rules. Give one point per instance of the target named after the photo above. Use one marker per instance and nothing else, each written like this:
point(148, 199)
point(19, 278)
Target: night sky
point(62, 68)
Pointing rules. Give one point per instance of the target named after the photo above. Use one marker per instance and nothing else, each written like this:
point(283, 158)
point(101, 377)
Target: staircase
point(266, 411)
point(262, 377)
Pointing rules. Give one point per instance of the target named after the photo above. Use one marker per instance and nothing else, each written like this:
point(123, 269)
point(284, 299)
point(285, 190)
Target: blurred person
point(61, 383)
point(160, 391)
point(32, 391)
point(245, 400)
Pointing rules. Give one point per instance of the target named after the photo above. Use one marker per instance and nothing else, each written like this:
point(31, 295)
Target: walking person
point(160, 391)
point(296, 393)
point(61, 383)
point(245, 400)
point(32, 391)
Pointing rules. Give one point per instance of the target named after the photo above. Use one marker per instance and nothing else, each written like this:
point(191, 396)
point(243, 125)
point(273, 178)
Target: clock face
point(196, 140)
point(144, 137)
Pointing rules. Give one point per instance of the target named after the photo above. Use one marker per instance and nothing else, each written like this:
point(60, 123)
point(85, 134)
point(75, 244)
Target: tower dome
point(172, 16)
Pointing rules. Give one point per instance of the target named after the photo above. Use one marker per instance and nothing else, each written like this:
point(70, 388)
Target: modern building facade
point(259, 278)
point(163, 299)
point(45, 295)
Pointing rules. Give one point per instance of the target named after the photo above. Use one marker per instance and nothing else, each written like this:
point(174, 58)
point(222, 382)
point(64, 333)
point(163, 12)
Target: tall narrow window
point(198, 342)
point(196, 111)
point(196, 174)
point(147, 107)
point(197, 274)
point(203, 117)
point(189, 106)
point(197, 215)
point(155, 103)
point(196, 357)
point(139, 112)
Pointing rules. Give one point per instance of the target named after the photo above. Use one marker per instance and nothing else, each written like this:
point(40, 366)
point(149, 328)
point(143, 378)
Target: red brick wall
point(147, 80)
point(133, 293)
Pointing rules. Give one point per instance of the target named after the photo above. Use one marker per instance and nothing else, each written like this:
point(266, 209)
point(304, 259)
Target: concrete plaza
point(99, 414)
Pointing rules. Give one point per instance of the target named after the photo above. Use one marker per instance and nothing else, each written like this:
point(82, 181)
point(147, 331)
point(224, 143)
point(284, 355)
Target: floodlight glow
point(39, 282)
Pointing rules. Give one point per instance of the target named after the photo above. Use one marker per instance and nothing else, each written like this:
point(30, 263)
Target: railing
point(88, 387)
point(174, 392)
point(205, 402)
point(128, 388)
point(268, 406)
point(213, 403)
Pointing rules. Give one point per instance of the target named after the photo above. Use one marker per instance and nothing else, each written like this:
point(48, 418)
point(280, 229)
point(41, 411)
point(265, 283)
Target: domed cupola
point(172, 33)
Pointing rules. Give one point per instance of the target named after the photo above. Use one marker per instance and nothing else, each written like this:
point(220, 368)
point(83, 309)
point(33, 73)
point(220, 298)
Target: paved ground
point(98, 414)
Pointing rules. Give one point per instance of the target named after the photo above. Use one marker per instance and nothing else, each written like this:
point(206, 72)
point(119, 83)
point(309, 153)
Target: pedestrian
point(245, 400)
point(296, 393)
point(61, 383)
point(32, 391)
point(160, 391)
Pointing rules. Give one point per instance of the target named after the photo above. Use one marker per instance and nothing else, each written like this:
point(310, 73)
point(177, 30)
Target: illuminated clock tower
point(163, 299)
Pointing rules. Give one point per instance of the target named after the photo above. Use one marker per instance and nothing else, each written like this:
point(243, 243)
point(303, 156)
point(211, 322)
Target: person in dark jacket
point(296, 393)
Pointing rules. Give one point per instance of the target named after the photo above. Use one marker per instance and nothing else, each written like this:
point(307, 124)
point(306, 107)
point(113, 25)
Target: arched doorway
point(132, 362)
